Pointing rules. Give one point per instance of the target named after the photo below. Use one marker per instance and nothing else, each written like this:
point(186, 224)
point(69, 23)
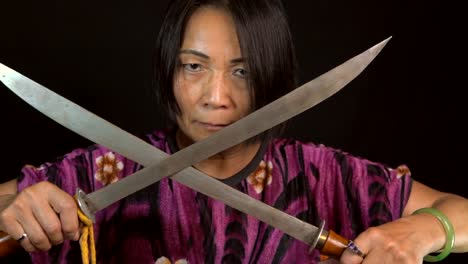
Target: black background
point(407, 107)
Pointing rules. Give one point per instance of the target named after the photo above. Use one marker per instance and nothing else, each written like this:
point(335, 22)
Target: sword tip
point(4, 72)
point(375, 50)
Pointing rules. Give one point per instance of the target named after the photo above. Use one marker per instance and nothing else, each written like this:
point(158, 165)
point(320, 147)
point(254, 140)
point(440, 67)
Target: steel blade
point(98, 130)
point(159, 164)
point(282, 109)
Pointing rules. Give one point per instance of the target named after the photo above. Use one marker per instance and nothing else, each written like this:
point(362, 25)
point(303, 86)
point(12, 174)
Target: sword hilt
point(333, 244)
point(329, 243)
point(81, 200)
point(8, 246)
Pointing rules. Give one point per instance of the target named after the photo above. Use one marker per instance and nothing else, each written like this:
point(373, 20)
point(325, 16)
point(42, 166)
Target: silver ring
point(354, 249)
point(23, 236)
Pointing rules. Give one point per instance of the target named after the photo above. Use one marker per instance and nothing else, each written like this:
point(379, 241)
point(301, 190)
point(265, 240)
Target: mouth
point(212, 126)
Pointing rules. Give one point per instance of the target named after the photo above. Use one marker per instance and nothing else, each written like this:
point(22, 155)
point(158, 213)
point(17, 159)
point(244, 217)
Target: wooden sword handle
point(334, 245)
point(8, 246)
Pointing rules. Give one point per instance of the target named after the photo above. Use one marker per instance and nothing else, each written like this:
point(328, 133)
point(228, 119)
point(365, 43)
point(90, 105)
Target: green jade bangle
point(448, 231)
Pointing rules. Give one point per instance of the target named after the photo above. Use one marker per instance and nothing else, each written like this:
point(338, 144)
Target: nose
point(217, 92)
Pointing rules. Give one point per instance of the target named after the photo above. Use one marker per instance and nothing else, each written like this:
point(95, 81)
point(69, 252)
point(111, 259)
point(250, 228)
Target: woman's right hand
point(44, 212)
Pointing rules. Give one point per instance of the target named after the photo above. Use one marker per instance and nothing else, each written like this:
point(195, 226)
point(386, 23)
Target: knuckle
point(398, 252)
point(374, 232)
point(25, 198)
point(391, 248)
point(28, 192)
point(6, 217)
point(53, 228)
point(38, 188)
point(69, 205)
point(19, 205)
point(5, 225)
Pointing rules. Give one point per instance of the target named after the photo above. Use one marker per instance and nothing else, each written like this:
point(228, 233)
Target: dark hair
point(265, 40)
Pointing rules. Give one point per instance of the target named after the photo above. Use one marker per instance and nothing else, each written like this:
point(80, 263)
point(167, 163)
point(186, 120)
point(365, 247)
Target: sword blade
point(158, 165)
point(282, 109)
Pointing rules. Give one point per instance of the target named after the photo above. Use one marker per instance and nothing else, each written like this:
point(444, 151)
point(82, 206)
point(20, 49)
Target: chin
point(193, 136)
point(201, 136)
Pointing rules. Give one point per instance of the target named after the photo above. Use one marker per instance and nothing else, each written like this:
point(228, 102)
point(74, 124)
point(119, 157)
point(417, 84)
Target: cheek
point(178, 94)
point(244, 102)
point(179, 90)
point(184, 96)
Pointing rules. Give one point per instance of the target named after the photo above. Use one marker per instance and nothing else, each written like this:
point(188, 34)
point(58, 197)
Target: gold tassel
point(88, 250)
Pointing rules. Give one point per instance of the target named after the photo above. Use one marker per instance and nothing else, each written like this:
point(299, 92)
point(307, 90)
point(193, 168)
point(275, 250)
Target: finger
point(379, 256)
point(353, 248)
point(49, 221)
point(354, 254)
point(36, 234)
point(16, 232)
point(65, 205)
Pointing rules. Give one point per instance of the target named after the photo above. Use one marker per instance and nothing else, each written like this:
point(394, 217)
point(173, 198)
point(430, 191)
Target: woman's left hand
point(406, 240)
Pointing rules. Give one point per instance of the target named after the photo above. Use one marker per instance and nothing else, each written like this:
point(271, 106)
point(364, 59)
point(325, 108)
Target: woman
point(217, 61)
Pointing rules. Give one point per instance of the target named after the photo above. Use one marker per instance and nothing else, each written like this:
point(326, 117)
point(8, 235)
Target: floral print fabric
point(170, 223)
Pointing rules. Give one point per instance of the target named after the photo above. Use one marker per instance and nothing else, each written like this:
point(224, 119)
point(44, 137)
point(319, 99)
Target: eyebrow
point(194, 52)
point(204, 56)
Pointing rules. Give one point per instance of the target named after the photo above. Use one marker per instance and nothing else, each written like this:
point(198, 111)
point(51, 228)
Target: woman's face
point(210, 84)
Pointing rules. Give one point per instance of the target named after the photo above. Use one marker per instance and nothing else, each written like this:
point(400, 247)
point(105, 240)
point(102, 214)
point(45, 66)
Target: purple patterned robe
point(170, 223)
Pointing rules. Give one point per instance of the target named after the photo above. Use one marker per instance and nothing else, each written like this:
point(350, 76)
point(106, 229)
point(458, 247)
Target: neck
point(225, 164)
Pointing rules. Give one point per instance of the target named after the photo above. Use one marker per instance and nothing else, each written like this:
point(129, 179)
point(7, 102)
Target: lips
point(212, 126)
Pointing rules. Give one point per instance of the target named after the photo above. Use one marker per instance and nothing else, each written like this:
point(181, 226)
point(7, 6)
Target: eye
point(192, 67)
point(242, 73)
